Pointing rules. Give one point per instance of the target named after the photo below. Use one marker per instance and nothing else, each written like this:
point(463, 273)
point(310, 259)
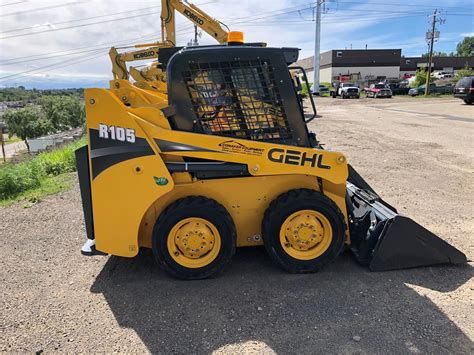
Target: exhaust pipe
point(384, 240)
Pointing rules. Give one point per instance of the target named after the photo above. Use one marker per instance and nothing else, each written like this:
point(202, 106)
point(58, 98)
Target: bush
point(466, 71)
point(420, 78)
point(58, 161)
point(16, 178)
point(31, 174)
point(304, 90)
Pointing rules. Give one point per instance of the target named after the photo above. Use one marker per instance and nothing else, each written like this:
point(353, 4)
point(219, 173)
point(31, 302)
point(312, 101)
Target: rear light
point(471, 89)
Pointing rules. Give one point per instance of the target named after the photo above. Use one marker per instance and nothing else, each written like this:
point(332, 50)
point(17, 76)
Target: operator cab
point(244, 92)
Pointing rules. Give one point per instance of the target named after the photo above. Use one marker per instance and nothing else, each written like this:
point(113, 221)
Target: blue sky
point(37, 49)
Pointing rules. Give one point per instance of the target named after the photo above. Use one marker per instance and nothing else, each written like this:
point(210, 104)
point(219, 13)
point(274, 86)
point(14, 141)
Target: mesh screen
point(237, 99)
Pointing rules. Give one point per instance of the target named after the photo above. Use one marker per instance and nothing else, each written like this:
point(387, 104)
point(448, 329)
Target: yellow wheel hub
point(306, 234)
point(194, 242)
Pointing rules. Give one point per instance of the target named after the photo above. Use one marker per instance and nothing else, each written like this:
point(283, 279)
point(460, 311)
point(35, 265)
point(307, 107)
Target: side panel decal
point(108, 152)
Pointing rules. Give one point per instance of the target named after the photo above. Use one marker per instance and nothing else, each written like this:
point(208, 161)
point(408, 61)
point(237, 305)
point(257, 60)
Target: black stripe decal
point(108, 152)
point(167, 146)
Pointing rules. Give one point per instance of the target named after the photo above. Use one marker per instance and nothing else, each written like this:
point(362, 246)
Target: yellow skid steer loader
point(226, 160)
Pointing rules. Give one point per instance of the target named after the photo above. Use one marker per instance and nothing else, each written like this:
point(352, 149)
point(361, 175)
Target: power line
point(48, 54)
point(82, 25)
point(57, 64)
point(52, 66)
point(91, 18)
point(71, 62)
point(330, 18)
point(77, 51)
point(40, 8)
point(78, 20)
point(12, 3)
point(247, 22)
point(430, 6)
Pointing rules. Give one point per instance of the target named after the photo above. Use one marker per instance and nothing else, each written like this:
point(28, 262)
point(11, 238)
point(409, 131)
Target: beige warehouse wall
point(325, 75)
point(310, 74)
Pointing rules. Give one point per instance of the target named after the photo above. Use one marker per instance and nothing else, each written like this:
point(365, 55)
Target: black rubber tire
point(468, 102)
point(200, 207)
point(287, 204)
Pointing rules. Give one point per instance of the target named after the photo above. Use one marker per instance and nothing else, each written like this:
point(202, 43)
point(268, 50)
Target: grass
point(48, 186)
point(42, 175)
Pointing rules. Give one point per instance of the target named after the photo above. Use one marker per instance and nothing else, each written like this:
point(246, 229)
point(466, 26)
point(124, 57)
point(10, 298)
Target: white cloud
point(341, 28)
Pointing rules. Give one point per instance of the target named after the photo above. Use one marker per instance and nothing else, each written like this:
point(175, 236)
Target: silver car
point(322, 90)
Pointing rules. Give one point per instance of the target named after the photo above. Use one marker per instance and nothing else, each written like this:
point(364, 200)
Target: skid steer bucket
point(385, 240)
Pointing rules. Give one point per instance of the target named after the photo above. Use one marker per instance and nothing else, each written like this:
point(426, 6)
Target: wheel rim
point(306, 234)
point(194, 242)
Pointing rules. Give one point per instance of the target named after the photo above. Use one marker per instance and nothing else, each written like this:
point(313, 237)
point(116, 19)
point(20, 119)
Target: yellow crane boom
point(201, 19)
point(168, 29)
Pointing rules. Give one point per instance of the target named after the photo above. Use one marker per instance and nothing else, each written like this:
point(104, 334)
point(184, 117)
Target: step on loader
point(225, 160)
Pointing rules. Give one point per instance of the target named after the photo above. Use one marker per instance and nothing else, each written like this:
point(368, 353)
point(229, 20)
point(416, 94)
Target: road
point(417, 154)
point(13, 148)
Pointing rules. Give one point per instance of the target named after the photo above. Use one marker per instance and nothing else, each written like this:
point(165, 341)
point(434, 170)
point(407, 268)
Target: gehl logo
point(194, 17)
point(294, 157)
point(144, 55)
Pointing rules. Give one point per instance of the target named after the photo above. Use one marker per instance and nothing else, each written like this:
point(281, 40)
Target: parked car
point(322, 90)
point(446, 76)
point(443, 74)
point(420, 90)
point(346, 90)
point(399, 89)
point(378, 90)
point(464, 89)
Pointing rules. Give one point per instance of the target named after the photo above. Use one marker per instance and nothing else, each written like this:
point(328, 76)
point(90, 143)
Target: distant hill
point(42, 84)
point(23, 94)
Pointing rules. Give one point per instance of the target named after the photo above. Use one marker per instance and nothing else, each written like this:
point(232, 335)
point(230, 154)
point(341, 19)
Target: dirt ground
point(417, 154)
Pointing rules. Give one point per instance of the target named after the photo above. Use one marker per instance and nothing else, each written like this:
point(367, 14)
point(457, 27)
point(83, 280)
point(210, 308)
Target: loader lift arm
point(119, 60)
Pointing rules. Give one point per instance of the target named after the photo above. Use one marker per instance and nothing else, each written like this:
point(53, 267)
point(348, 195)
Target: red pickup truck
point(378, 90)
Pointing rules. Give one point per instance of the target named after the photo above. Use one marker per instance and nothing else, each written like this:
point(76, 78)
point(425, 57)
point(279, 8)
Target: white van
point(442, 74)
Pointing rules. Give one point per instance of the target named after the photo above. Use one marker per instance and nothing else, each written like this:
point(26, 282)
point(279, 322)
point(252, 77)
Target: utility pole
point(432, 36)
point(195, 35)
point(3, 143)
point(194, 42)
point(317, 47)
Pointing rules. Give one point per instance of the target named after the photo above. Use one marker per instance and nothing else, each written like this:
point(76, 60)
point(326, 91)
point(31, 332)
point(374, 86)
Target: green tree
point(63, 111)
point(26, 123)
point(75, 110)
point(420, 78)
point(465, 48)
point(464, 72)
point(436, 54)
